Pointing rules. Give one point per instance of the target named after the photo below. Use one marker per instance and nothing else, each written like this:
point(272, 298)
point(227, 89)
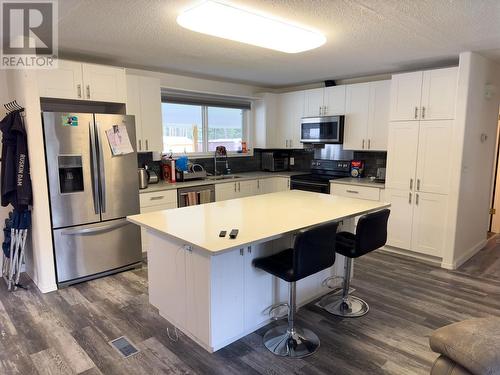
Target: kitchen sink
point(225, 177)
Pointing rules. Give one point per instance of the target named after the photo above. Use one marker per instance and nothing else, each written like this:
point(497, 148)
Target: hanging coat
point(15, 184)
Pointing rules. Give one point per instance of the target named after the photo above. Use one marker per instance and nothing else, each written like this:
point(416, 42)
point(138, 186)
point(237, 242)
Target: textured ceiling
point(363, 37)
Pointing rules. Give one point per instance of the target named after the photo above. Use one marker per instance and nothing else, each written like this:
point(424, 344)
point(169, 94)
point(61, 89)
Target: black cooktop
point(323, 171)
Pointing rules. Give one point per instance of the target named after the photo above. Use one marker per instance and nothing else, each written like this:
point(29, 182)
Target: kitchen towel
point(205, 196)
point(192, 198)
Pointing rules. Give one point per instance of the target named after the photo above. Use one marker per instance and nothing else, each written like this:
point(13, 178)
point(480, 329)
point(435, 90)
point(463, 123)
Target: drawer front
point(158, 198)
point(354, 191)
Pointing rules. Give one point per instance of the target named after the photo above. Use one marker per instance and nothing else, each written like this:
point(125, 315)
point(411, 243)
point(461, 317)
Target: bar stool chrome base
point(351, 307)
point(295, 343)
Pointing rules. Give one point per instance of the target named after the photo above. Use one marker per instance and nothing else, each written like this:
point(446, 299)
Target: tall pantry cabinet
point(422, 110)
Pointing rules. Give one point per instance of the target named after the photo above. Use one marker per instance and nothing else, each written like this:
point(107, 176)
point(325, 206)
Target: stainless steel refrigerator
point(91, 193)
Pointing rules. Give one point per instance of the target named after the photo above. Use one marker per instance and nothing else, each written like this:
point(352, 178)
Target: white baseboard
point(465, 257)
point(422, 257)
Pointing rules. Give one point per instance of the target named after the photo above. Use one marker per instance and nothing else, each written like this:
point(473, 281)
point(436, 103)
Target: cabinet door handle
point(290, 143)
point(235, 187)
point(409, 197)
point(157, 198)
point(79, 90)
point(288, 184)
point(423, 112)
point(241, 252)
point(416, 113)
point(352, 191)
point(239, 187)
point(88, 91)
point(363, 145)
point(147, 145)
point(249, 249)
point(411, 183)
point(418, 183)
point(320, 110)
point(416, 199)
point(258, 184)
point(140, 145)
point(368, 144)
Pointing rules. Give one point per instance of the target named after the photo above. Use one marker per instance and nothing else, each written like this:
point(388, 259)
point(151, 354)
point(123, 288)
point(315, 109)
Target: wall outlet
point(292, 161)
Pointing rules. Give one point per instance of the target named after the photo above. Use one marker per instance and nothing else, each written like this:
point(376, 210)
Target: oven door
point(315, 187)
point(327, 129)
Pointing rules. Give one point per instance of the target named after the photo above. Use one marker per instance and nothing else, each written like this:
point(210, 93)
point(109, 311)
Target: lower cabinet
point(217, 299)
point(418, 221)
point(157, 201)
point(246, 188)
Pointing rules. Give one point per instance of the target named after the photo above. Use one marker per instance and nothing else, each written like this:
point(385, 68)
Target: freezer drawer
point(92, 249)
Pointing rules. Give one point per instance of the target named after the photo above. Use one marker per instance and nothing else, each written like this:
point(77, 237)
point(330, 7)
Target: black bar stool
point(371, 234)
point(313, 251)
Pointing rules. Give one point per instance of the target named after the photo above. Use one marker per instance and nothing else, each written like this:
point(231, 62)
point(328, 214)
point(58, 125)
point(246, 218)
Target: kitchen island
point(206, 285)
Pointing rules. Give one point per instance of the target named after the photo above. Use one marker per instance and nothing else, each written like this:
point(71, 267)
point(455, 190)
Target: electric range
point(322, 171)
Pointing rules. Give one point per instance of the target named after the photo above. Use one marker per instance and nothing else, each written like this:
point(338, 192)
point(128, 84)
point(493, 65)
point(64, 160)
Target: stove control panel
point(332, 165)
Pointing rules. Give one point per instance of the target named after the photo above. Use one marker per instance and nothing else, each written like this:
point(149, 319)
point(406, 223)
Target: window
point(200, 128)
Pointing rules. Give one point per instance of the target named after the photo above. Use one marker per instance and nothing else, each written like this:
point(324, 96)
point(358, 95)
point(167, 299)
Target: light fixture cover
point(226, 21)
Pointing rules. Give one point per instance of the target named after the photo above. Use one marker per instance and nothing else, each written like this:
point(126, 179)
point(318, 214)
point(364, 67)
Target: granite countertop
point(200, 225)
point(162, 185)
point(365, 181)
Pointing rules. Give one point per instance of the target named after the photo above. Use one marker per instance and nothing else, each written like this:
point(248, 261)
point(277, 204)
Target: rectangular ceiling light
point(225, 21)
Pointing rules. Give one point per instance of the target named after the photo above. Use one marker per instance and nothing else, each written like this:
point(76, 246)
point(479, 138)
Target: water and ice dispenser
point(70, 173)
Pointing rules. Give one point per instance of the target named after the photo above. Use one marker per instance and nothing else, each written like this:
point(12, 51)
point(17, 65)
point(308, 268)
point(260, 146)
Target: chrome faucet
point(220, 156)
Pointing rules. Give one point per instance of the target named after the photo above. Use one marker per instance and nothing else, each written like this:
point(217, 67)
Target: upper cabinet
point(325, 101)
point(291, 111)
point(367, 116)
point(144, 102)
point(80, 81)
point(428, 95)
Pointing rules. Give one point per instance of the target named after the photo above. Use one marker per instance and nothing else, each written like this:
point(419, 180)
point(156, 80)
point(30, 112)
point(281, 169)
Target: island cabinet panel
point(258, 287)
point(227, 295)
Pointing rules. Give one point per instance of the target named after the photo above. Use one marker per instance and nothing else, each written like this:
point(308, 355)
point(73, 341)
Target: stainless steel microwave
point(325, 129)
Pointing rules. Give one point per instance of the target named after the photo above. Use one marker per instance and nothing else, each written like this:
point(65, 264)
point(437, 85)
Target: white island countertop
point(258, 218)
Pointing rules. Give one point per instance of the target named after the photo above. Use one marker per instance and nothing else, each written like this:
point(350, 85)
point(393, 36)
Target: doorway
point(495, 196)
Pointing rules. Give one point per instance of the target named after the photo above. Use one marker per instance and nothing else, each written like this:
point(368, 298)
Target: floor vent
point(124, 346)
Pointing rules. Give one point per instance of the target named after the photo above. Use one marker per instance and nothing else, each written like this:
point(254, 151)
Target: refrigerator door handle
point(93, 161)
point(93, 230)
point(102, 174)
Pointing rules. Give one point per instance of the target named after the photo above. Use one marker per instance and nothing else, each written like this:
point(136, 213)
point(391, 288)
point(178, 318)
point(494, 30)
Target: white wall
point(22, 86)
point(473, 161)
point(179, 82)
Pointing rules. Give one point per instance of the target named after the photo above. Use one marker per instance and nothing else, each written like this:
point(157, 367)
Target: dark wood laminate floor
point(67, 332)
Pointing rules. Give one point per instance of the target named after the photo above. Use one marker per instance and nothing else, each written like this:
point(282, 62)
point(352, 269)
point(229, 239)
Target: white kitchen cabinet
point(291, 111)
point(356, 116)
point(378, 118)
point(64, 82)
point(314, 102)
point(228, 295)
point(258, 287)
point(155, 201)
point(82, 81)
point(265, 186)
point(428, 95)
point(367, 116)
point(434, 155)
point(324, 101)
point(281, 184)
point(334, 100)
point(406, 93)
point(247, 188)
point(399, 227)
point(402, 155)
point(429, 223)
point(226, 191)
point(267, 129)
point(144, 102)
point(439, 89)
point(104, 83)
